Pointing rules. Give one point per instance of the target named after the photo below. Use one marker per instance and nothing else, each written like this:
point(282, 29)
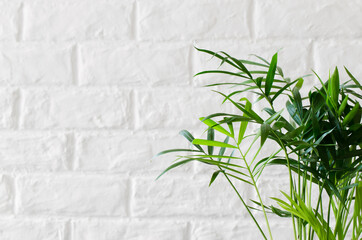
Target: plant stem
point(290, 178)
point(256, 189)
point(246, 206)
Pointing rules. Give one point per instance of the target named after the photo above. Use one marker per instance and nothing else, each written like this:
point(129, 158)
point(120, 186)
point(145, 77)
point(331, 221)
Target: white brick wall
point(92, 90)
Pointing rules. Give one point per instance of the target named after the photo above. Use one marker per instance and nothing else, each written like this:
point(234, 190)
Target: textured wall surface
point(90, 90)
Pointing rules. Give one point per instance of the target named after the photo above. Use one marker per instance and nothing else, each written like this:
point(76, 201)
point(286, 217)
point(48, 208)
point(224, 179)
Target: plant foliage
point(319, 145)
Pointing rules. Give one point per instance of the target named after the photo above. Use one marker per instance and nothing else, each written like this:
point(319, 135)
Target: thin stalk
point(245, 205)
point(241, 199)
point(290, 178)
point(299, 222)
point(329, 216)
point(256, 189)
point(310, 204)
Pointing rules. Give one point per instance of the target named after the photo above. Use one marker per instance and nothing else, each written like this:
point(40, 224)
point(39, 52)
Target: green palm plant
point(319, 145)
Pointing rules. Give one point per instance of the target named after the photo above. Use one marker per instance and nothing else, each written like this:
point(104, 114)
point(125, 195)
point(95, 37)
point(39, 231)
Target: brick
point(331, 54)
point(215, 229)
point(176, 109)
point(77, 20)
point(146, 64)
point(135, 229)
point(190, 19)
point(8, 113)
point(112, 152)
point(33, 151)
point(6, 195)
point(9, 19)
point(307, 19)
point(72, 195)
point(34, 63)
point(75, 108)
point(232, 228)
point(125, 151)
point(188, 196)
point(14, 229)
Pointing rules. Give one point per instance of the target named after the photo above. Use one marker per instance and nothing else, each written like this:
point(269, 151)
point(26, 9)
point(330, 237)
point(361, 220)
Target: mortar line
point(17, 109)
point(20, 33)
point(132, 125)
point(71, 148)
point(75, 63)
point(312, 55)
point(68, 233)
point(188, 231)
point(129, 198)
point(135, 21)
point(251, 20)
point(16, 196)
point(191, 59)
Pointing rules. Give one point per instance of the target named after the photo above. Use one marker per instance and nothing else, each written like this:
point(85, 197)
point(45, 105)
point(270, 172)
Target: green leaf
point(231, 126)
point(174, 166)
point(216, 126)
point(258, 81)
point(220, 71)
point(253, 63)
point(250, 112)
point(353, 78)
point(264, 132)
point(351, 114)
point(273, 117)
point(298, 102)
point(333, 87)
point(190, 138)
point(210, 137)
point(212, 143)
point(244, 124)
point(214, 176)
point(282, 90)
point(293, 113)
point(271, 73)
point(287, 125)
point(343, 106)
point(224, 59)
point(176, 150)
point(262, 59)
point(292, 134)
point(213, 156)
point(222, 150)
point(240, 64)
point(299, 83)
point(239, 178)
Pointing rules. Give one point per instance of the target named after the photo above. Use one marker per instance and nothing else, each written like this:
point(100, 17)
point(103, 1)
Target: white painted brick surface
point(9, 19)
point(69, 195)
point(222, 229)
point(137, 65)
point(179, 108)
point(185, 196)
point(90, 91)
point(6, 195)
point(329, 54)
point(193, 20)
point(308, 19)
point(118, 152)
point(19, 228)
point(8, 101)
point(25, 64)
point(77, 20)
point(33, 151)
point(130, 230)
point(76, 108)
